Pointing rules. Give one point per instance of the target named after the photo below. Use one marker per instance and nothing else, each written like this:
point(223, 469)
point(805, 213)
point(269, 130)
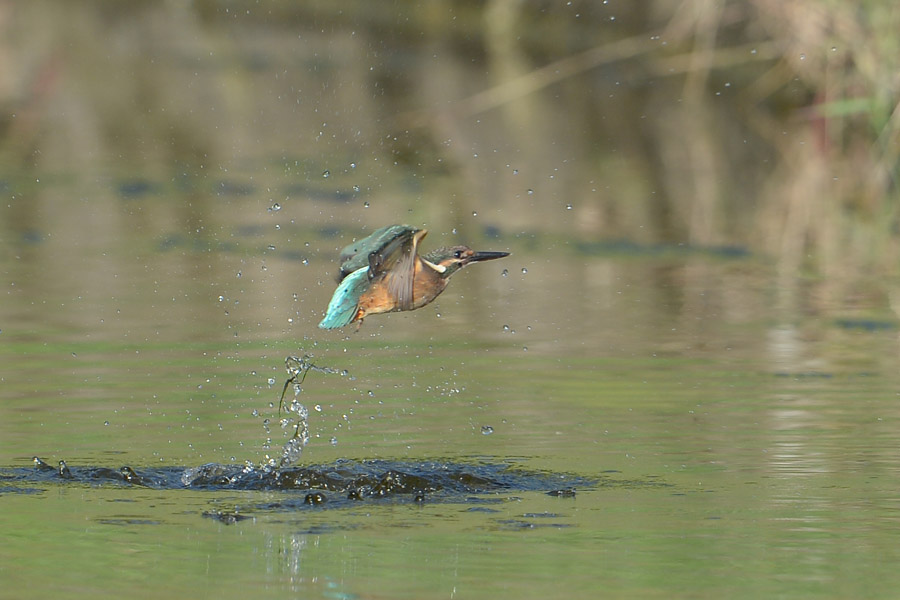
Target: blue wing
point(345, 303)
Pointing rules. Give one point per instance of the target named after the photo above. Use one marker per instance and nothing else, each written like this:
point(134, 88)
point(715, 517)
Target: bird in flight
point(385, 273)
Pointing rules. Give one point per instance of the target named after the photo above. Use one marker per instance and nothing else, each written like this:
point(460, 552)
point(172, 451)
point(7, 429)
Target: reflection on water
point(599, 121)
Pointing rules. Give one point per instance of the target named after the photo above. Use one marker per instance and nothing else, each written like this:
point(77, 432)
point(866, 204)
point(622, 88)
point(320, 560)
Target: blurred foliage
point(758, 123)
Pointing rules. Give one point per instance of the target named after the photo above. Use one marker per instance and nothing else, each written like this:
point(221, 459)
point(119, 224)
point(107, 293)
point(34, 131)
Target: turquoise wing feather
point(345, 303)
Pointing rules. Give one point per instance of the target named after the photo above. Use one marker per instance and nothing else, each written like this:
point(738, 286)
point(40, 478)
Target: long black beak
point(479, 256)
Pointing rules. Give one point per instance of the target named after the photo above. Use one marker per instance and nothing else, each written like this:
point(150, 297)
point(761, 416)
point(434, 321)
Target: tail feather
point(344, 303)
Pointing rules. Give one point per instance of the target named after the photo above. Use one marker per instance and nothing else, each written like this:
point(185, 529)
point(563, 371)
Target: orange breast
point(426, 285)
point(377, 299)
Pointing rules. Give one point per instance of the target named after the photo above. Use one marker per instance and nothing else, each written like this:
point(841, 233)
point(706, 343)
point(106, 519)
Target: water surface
point(643, 399)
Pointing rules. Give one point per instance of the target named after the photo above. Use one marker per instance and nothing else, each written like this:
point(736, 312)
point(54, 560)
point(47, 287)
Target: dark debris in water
point(632, 248)
point(867, 325)
point(229, 518)
point(342, 483)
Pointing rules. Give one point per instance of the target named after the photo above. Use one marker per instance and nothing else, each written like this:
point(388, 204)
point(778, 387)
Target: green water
point(681, 328)
point(741, 447)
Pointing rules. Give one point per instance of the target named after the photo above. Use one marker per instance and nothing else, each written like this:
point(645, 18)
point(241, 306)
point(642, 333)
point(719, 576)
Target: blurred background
point(188, 171)
point(758, 126)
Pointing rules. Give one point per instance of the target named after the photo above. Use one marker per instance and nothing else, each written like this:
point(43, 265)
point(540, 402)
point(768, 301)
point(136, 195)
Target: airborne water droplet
point(504, 273)
point(486, 430)
point(524, 271)
point(326, 174)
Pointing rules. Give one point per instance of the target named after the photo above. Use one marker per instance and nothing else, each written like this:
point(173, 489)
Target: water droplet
point(271, 381)
point(486, 430)
point(506, 328)
point(352, 165)
point(524, 271)
point(326, 173)
point(221, 298)
point(802, 57)
point(753, 51)
point(356, 188)
point(238, 275)
point(371, 394)
point(515, 171)
point(504, 273)
point(474, 213)
point(568, 207)
point(530, 192)
point(365, 205)
point(106, 423)
point(333, 441)
point(275, 207)
point(271, 246)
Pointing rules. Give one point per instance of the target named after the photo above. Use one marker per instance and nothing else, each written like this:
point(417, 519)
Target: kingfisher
point(384, 273)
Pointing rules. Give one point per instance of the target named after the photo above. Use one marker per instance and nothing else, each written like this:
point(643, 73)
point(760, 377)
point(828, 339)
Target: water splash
point(298, 368)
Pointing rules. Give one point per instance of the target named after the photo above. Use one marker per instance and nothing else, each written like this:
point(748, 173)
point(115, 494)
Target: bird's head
point(447, 261)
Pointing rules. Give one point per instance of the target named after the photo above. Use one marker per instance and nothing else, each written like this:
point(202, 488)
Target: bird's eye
point(457, 254)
